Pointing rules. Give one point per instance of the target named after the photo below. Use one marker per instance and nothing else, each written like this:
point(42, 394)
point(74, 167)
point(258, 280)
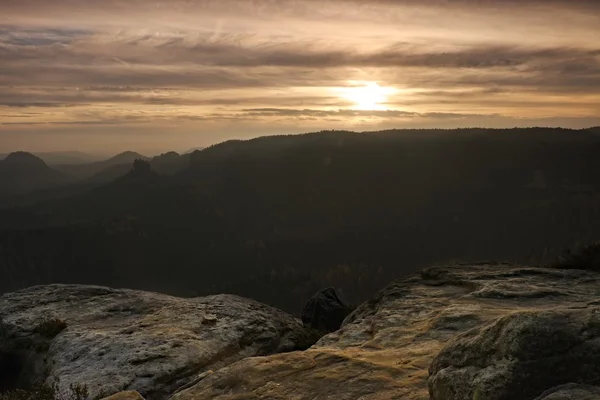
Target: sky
point(104, 76)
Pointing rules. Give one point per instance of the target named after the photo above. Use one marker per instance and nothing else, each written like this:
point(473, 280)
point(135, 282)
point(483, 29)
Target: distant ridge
point(91, 170)
point(67, 157)
point(594, 129)
point(126, 156)
point(22, 172)
point(166, 163)
point(295, 213)
point(62, 157)
point(24, 158)
point(193, 149)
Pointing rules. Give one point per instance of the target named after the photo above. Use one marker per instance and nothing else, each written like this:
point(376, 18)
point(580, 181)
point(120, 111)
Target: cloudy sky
point(110, 75)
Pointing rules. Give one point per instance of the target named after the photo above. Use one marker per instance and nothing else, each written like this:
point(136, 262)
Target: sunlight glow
point(368, 96)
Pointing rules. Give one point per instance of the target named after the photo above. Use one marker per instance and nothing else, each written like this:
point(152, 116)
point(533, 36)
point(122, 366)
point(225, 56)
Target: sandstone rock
point(192, 382)
point(129, 395)
point(130, 340)
point(384, 348)
point(572, 391)
point(519, 356)
point(325, 311)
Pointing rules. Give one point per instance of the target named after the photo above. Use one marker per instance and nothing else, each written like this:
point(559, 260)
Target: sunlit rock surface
point(131, 340)
point(129, 395)
point(385, 348)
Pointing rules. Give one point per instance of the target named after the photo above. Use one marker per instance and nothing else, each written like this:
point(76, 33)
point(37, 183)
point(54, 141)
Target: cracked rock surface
point(487, 322)
point(118, 340)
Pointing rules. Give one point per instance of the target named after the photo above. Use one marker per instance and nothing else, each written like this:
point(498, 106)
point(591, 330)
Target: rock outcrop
point(128, 395)
point(325, 311)
point(571, 391)
point(519, 356)
point(113, 340)
point(466, 332)
point(384, 349)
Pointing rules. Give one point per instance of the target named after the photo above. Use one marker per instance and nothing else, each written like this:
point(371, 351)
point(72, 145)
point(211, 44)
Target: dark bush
point(585, 257)
point(325, 311)
point(50, 328)
point(311, 337)
point(47, 392)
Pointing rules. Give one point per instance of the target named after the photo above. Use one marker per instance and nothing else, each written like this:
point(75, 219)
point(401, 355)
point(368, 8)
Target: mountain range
point(26, 178)
point(277, 218)
point(90, 170)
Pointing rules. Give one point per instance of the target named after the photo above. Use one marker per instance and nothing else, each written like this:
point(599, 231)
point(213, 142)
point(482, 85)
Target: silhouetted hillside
point(193, 150)
point(95, 169)
point(24, 159)
point(167, 163)
point(66, 157)
point(110, 174)
point(22, 172)
point(170, 163)
point(277, 218)
point(63, 157)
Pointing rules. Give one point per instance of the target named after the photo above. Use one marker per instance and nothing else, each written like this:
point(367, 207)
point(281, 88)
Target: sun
point(368, 96)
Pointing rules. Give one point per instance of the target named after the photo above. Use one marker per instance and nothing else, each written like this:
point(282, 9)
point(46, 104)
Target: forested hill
point(277, 218)
point(21, 172)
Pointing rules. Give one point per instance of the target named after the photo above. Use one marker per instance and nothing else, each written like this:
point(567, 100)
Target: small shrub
point(50, 328)
point(585, 257)
point(77, 392)
point(16, 395)
point(47, 392)
point(310, 337)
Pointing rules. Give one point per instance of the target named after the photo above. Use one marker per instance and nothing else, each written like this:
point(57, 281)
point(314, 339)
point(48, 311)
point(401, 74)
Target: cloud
point(235, 65)
point(344, 113)
point(131, 49)
point(124, 60)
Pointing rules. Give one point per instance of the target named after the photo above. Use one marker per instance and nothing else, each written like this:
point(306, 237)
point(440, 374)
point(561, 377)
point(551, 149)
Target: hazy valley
point(278, 218)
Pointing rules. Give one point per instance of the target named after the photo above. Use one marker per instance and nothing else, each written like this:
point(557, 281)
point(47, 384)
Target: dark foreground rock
point(519, 356)
point(128, 395)
point(113, 340)
point(571, 391)
point(385, 348)
point(325, 311)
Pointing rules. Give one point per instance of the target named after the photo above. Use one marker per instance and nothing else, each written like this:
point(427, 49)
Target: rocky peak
point(126, 157)
point(24, 158)
point(168, 156)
